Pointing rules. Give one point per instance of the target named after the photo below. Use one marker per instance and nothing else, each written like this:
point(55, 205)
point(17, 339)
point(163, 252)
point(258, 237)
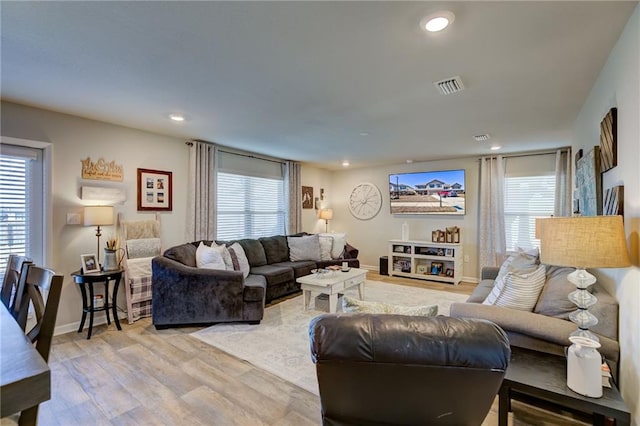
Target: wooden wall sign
point(101, 170)
point(609, 140)
point(614, 201)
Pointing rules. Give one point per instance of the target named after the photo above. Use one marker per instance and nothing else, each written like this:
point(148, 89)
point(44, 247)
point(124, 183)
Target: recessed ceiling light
point(364, 133)
point(495, 148)
point(345, 163)
point(176, 117)
point(437, 21)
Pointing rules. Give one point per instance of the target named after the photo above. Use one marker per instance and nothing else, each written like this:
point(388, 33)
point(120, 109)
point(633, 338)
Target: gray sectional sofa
point(184, 294)
point(547, 327)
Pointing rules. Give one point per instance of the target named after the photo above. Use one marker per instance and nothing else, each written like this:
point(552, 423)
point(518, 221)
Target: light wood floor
point(142, 376)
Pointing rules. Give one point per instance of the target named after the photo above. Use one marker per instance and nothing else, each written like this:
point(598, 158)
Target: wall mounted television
point(438, 192)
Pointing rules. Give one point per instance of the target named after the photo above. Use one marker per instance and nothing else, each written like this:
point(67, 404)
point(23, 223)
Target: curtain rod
point(221, 149)
point(530, 154)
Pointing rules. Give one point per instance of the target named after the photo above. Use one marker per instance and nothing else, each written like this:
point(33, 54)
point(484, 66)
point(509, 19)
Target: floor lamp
point(98, 216)
point(583, 242)
point(327, 215)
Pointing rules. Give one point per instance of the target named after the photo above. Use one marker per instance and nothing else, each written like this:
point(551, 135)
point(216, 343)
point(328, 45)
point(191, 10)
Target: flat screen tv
point(427, 192)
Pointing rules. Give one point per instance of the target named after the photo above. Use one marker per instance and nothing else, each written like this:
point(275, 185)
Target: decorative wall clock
point(365, 201)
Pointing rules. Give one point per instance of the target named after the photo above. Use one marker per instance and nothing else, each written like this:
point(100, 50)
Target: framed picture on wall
point(307, 197)
point(154, 190)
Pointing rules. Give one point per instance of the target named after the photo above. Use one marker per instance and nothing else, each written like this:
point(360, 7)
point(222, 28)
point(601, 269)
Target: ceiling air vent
point(482, 138)
point(449, 85)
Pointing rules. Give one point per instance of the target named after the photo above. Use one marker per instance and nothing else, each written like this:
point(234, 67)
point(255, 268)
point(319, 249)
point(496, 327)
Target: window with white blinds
point(525, 199)
point(21, 203)
point(250, 197)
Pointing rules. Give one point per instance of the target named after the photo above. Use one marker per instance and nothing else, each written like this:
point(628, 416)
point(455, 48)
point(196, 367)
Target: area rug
point(280, 343)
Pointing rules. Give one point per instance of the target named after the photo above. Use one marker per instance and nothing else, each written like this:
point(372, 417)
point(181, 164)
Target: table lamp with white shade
point(98, 216)
point(583, 242)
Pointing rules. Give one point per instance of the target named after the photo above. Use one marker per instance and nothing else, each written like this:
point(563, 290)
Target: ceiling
point(318, 82)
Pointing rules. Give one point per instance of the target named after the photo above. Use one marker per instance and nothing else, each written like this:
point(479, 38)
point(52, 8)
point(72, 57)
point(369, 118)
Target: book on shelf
point(606, 375)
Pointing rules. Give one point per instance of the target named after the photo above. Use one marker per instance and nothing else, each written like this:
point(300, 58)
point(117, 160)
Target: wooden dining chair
point(33, 282)
point(11, 278)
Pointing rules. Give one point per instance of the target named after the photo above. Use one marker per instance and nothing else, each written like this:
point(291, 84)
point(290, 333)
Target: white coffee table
point(331, 284)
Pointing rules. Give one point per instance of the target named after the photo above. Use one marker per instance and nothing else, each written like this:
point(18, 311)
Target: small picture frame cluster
point(154, 190)
point(89, 263)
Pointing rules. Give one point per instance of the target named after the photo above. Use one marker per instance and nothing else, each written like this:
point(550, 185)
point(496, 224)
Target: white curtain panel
point(492, 233)
point(563, 200)
point(201, 194)
point(294, 189)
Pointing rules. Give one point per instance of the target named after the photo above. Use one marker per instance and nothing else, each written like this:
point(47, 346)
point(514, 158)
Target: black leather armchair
point(401, 370)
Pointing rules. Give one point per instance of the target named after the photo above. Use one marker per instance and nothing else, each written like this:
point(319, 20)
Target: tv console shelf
point(426, 260)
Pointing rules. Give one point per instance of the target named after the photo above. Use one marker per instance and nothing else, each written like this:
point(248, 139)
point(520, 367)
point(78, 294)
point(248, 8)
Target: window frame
point(46, 211)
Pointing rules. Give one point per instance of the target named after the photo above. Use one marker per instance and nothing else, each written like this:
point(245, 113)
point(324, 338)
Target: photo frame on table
point(89, 263)
point(155, 190)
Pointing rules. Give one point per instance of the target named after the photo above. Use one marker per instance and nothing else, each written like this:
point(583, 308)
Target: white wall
point(73, 139)
point(618, 85)
point(316, 178)
point(371, 236)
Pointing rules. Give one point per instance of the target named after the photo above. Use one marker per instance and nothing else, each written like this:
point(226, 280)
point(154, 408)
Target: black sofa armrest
point(350, 252)
point(184, 294)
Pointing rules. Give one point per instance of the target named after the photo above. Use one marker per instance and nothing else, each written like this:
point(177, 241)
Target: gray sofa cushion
point(304, 248)
point(274, 275)
point(255, 287)
point(254, 252)
point(275, 248)
point(553, 301)
point(481, 291)
point(300, 268)
point(536, 326)
point(184, 253)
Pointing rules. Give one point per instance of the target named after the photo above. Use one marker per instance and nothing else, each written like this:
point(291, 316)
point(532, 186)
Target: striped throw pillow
point(518, 290)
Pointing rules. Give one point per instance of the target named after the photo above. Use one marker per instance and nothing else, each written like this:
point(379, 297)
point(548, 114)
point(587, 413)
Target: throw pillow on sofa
point(209, 258)
point(304, 248)
point(554, 301)
point(518, 289)
point(326, 243)
point(352, 305)
point(237, 251)
point(226, 256)
point(339, 241)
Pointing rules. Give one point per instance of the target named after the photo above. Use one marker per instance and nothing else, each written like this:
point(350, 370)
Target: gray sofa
point(184, 294)
point(548, 327)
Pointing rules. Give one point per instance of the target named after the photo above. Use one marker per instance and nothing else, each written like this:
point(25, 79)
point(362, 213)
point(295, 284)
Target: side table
point(544, 377)
point(85, 282)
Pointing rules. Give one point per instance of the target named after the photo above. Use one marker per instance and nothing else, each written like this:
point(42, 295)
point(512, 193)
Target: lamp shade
point(98, 215)
point(583, 241)
point(326, 214)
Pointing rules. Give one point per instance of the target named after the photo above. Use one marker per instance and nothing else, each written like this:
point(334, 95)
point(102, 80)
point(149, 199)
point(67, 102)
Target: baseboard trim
point(97, 320)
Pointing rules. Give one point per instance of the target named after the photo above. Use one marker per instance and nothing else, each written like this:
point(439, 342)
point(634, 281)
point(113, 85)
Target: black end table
point(544, 377)
point(86, 281)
